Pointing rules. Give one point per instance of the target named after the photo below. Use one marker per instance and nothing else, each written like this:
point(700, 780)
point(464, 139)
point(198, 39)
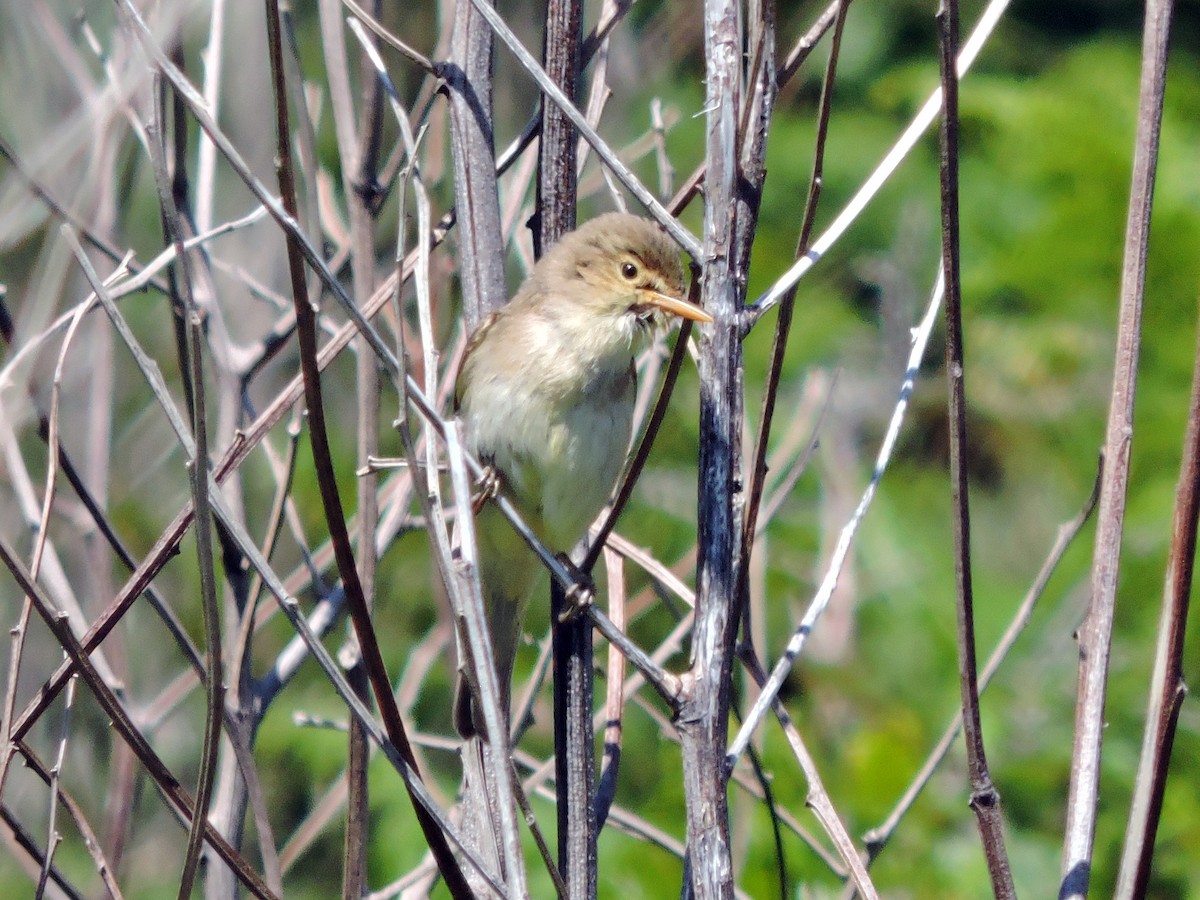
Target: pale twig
point(75, 811)
point(484, 665)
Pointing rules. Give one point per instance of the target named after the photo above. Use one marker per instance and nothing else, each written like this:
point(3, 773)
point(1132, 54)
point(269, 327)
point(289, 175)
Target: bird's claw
point(579, 595)
point(489, 488)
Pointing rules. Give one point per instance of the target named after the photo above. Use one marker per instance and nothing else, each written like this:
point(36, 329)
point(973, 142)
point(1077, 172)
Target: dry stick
point(212, 57)
point(539, 839)
point(704, 709)
point(756, 787)
point(20, 631)
point(17, 636)
point(240, 740)
point(54, 573)
point(321, 811)
point(496, 751)
point(1167, 686)
point(767, 795)
point(598, 91)
point(53, 838)
point(571, 641)
point(468, 76)
point(985, 799)
point(1096, 633)
point(372, 22)
point(326, 478)
point(17, 834)
point(1095, 637)
point(160, 606)
point(552, 92)
point(817, 799)
point(614, 699)
point(240, 658)
point(876, 839)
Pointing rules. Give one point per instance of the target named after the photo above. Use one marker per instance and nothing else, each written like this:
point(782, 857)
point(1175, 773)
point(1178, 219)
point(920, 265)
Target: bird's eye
point(629, 271)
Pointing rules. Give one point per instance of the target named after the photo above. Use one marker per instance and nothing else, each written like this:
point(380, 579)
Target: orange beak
point(674, 305)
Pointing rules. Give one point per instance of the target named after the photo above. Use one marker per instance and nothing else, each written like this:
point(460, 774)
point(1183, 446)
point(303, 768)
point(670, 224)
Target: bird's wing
point(477, 338)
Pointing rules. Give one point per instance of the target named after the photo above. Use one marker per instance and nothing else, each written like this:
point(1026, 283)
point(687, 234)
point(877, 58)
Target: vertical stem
point(985, 799)
point(1167, 687)
point(572, 643)
point(477, 203)
point(1095, 637)
point(704, 712)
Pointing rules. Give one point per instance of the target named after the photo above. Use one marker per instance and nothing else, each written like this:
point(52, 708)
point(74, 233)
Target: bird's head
point(625, 271)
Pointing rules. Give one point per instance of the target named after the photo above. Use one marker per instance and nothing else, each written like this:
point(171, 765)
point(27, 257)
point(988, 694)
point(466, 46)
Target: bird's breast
point(559, 438)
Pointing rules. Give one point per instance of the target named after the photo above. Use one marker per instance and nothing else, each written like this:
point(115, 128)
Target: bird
point(545, 393)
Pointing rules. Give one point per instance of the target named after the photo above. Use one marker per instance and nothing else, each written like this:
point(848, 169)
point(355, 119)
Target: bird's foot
point(580, 595)
point(489, 488)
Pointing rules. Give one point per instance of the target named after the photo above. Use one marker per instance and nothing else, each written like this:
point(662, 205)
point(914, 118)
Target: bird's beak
point(675, 306)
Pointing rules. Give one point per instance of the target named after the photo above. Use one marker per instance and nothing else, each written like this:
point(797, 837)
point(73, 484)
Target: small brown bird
point(546, 396)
